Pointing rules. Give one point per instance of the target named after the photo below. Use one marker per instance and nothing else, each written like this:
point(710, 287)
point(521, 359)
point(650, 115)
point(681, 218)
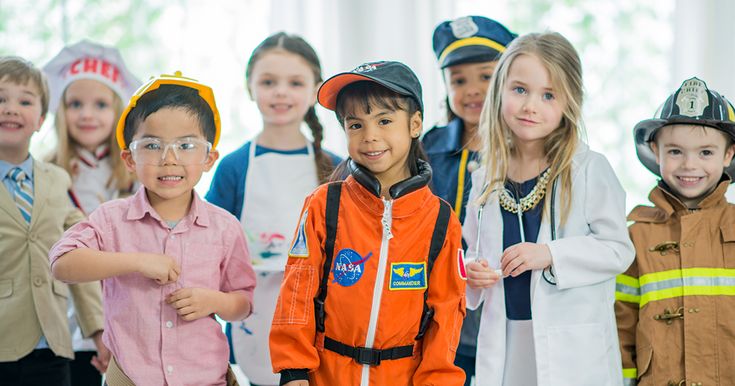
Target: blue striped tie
point(23, 193)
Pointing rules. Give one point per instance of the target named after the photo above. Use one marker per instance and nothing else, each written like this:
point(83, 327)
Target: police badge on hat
point(464, 27)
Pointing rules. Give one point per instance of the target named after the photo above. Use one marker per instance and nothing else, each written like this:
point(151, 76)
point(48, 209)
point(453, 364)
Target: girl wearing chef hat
point(89, 85)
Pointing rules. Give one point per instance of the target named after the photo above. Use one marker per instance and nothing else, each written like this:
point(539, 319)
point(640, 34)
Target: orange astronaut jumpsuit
point(376, 288)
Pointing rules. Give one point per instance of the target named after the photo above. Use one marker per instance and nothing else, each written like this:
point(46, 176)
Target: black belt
point(368, 356)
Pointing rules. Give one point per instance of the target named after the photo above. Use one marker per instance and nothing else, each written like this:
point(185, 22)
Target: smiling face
point(380, 139)
point(692, 159)
point(170, 181)
point(531, 107)
point(283, 86)
point(466, 89)
point(90, 113)
point(20, 118)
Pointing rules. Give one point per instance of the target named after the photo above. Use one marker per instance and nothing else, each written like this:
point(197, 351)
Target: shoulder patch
point(299, 247)
point(460, 264)
point(407, 276)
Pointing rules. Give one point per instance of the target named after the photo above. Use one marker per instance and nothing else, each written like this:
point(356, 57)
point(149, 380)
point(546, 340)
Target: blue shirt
point(518, 289)
point(448, 160)
point(10, 184)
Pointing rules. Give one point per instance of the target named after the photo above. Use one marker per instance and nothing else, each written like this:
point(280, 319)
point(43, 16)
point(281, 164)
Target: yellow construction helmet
point(176, 79)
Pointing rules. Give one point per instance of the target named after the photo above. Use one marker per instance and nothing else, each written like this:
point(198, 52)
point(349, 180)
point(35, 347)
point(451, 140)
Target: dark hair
point(297, 45)
point(172, 97)
point(366, 95)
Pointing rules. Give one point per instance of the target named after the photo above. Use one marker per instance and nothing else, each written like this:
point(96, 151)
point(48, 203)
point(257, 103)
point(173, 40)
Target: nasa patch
point(348, 267)
point(407, 276)
point(300, 248)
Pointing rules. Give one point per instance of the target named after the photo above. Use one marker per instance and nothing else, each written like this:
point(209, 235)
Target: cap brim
point(327, 94)
point(470, 54)
point(643, 134)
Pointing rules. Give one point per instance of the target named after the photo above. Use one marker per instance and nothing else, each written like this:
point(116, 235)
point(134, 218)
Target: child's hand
point(479, 274)
point(161, 268)
point(524, 257)
point(193, 303)
point(299, 382)
point(102, 359)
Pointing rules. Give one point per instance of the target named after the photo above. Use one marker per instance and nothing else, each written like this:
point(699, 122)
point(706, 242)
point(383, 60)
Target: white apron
point(275, 188)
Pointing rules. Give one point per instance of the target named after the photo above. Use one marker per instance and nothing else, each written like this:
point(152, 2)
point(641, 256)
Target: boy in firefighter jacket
point(373, 292)
point(675, 303)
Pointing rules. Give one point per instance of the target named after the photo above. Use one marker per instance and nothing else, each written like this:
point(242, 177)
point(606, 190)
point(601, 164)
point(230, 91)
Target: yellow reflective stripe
point(686, 272)
point(473, 41)
point(630, 373)
point(687, 291)
point(460, 182)
point(685, 282)
point(730, 113)
point(623, 297)
point(627, 289)
point(626, 280)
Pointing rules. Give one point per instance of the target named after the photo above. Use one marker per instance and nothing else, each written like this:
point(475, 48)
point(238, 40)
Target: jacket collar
point(451, 138)
point(666, 201)
point(408, 204)
point(402, 188)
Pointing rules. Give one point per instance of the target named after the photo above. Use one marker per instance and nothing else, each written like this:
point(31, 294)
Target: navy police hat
point(394, 76)
point(470, 39)
point(693, 103)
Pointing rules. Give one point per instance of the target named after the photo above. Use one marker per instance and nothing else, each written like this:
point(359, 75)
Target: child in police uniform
point(373, 292)
point(674, 305)
point(468, 49)
point(88, 83)
point(168, 260)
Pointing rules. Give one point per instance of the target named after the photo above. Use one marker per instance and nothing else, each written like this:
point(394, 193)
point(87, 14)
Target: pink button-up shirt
point(150, 342)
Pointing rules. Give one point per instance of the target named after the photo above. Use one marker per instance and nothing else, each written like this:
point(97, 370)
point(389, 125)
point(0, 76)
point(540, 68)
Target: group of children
point(507, 213)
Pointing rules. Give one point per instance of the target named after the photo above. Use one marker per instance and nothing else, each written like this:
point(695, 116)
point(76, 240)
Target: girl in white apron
point(264, 183)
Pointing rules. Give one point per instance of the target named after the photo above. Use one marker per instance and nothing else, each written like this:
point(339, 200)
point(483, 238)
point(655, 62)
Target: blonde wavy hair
point(565, 70)
point(65, 152)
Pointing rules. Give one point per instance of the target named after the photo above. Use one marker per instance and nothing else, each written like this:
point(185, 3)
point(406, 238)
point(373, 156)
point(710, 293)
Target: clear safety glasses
point(186, 151)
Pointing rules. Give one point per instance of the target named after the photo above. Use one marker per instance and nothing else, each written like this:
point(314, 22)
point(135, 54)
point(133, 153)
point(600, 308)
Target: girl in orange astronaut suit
point(384, 248)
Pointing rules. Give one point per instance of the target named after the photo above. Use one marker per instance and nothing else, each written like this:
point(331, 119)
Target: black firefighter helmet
point(693, 103)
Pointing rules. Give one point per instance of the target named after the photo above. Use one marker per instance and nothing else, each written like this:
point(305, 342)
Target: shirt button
point(170, 369)
point(169, 324)
point(37, 281)
point(173, 236)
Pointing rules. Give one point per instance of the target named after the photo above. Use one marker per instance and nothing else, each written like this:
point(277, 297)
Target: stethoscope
point(547, 273)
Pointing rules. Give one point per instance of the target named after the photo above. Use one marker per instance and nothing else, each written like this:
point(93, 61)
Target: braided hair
point(297, 45)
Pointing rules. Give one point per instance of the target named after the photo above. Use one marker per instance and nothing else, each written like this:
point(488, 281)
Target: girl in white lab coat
point(545, 227)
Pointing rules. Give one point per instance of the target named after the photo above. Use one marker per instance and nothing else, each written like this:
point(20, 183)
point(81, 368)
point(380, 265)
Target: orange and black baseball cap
point(394, 76)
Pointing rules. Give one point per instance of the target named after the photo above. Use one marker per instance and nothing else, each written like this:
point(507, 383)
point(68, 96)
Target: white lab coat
point(574, 329)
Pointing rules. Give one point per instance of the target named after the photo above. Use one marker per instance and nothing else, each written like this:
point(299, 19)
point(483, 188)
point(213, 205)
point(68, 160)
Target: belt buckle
point(367, 356)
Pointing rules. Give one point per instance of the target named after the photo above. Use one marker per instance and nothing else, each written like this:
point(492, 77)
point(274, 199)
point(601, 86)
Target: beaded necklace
point(530, 200)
